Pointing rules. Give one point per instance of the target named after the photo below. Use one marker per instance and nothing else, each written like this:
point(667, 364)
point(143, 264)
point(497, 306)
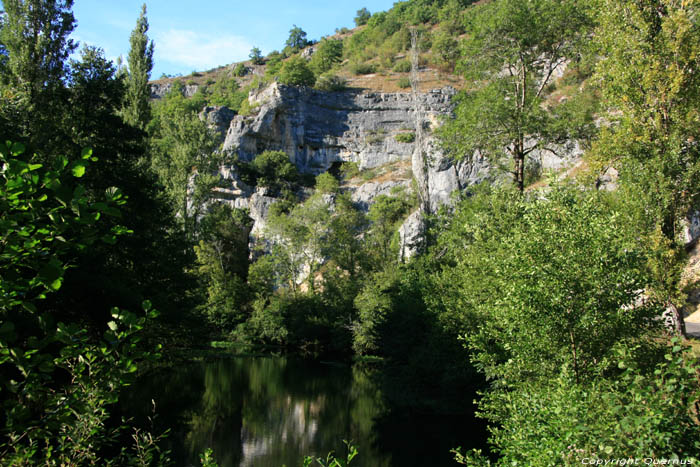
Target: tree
point(647, 73)
point(638, 413)
point(297, 39)
point(274, 171)
point(446, 48)
point(327, 54)
point(184, 157)
point(256, 56)
point(298, 239)
point(548, 291)
point(222, 254)
point(35, 35)
point(542, 299)
point(362, 16)
point(296, 72)
point(140, 60)
point(512, 50)
point(149, 262)
point(386, 214)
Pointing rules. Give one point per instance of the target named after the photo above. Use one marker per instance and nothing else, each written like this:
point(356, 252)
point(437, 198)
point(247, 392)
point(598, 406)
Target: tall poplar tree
point(136, 108)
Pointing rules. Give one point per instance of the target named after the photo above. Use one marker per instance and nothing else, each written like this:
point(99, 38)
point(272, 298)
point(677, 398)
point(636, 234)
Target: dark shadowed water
point(271, 411)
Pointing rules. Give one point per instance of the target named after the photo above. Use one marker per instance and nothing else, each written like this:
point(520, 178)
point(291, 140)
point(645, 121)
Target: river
point(272, 411)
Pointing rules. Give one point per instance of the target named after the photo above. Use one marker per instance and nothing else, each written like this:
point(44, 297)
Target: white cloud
point(200, 51)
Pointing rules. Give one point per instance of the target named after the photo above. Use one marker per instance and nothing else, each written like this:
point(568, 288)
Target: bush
point(295, 72)
point(240, 70)
point(274, 170)
point(405, 137)
point(404, 83)
point(363, 69)
point(328, 53)
point(256, 57)
point(349, 170)
point(402, 66)
point(446, 49)
point(637, 414)
point(59, 380)
point(327, 183)
point(330, 83)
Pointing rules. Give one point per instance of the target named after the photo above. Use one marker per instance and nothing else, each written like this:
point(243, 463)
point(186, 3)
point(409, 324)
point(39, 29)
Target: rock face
point(411, 235)
point(218, 118)
point(159, 91)
point(319, 130)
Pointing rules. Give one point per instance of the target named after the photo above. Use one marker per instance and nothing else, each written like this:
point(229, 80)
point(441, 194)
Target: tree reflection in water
point(272, 411)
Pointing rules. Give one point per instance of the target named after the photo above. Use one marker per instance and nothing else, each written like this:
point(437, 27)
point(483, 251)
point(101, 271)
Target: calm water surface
point(271, 411)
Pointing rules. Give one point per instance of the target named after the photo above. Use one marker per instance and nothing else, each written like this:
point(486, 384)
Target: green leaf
point(86, 154)
point(113, 326)
point(78, 168)
point(17, 149)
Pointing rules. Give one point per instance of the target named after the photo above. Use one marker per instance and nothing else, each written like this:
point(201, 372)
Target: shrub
point(59, 379)
point(296, 72)
point(256, 56)
point(274, 170)
point(327, 183)
point(404, 83)
point(402, 66)
point(375, 136)
point(330, 83)
point(240, 70)
point(349, 170)
point(446, 49)
point(363, 69)
point(328, 53)
point(405, 137)
point(246, 108)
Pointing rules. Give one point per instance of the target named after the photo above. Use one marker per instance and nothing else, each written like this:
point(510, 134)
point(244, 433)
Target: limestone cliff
point(319, 129)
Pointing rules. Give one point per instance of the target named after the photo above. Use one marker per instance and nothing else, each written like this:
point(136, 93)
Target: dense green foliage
point(57, 382)
point(297, 39)
point(363, 15)
point(328, 53)
point(514, 47)
point(296, 72)
point(649, 52)
point(256, 56)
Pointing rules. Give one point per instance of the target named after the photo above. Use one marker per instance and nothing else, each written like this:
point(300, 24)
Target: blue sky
point(199, 35)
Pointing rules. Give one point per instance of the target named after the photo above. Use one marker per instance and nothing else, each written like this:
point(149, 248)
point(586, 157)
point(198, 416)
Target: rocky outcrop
point(319, 128)
point(411, 235)
point(363, 195)
point(375, 130)
point(159, 90)
point(218, 118)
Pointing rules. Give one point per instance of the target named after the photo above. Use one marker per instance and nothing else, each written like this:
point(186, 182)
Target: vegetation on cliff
point(545, 299)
